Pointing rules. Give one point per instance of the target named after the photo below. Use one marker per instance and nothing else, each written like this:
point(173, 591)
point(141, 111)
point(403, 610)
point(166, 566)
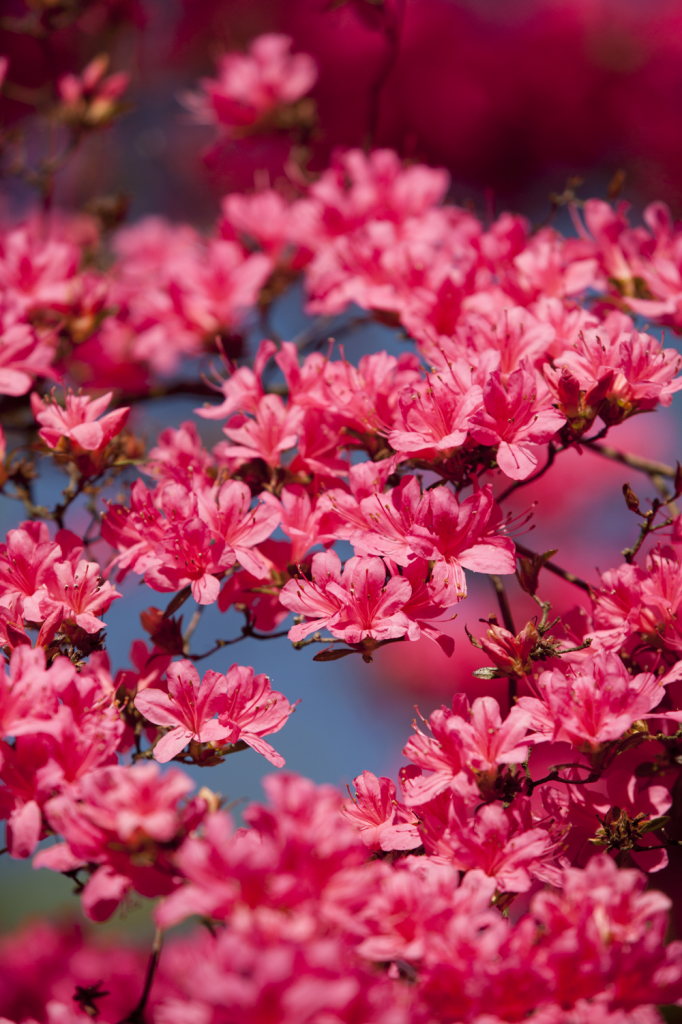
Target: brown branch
point(556, 569)
point(247, 631)
point(647, 466)
point(136, 1015)
point(503, 601)
point(551, 453)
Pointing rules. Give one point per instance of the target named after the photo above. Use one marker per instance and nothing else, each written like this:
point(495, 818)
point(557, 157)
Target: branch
point(551, 453)
point(647, 466)
point(136, 1015)
point(392, 32)
point(247, 631)
point(503, 601)
point(556, 569)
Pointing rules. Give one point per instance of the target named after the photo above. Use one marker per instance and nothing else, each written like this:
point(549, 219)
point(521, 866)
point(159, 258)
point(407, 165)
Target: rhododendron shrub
point(341, 506)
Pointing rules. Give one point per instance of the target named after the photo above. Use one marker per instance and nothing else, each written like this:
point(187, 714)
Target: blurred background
point(513, 99)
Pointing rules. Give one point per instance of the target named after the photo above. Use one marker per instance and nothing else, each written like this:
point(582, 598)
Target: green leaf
point(655, 823)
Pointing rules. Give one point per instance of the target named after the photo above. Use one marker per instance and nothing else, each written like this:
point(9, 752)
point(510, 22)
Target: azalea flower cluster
point(502, 876)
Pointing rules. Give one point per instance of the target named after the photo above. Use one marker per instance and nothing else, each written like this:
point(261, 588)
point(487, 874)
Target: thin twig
point(551, 453)
point(556, 569)
point(193, 623)
point(659, 483)
point(394, 22)
point(503, 601)
point(247, 631)
point(136, 1016)
point(647, 466)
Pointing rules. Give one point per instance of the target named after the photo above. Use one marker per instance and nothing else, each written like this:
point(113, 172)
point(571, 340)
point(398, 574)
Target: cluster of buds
point(90, 100)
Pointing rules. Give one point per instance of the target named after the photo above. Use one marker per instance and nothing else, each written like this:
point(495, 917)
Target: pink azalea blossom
point(251, 709)
point(465, 536)
point(24, 356)
point(120, 813)
point(26, 562)
point(592, 703)
point(250, 85)
point(435, 416)
point(500, 842)
point(79, 421)
point(188, 707)
point(83, 593)
point(383, 823)
point(268, 436)
point(515, 419)
point(354, 605)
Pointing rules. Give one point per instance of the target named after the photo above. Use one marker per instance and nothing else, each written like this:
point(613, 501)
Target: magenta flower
point(250, 85)
point(436, 414)
point(28, 694)
point(593, 702)
point(273, 431)
point(82, 592)
point(26, 562)
point(189, 708)
point(251, 709)
point(502, 843)
point(188, 556)
point(24, 355)
point(516, 419)
point(79, 420)
point(233, 522)
point(356, 605)
point(123, 819)
point(383, 823)
point(315, 598)
point(465, 536)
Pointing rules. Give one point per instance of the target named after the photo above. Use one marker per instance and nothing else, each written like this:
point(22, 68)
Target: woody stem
point(556, 569)
point(503, 602)
point(634, 461)
point(136, 1016)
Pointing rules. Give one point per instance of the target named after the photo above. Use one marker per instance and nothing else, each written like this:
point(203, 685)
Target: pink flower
point(268, 436)
point(125, 819)
point(247, 706)
point(187, 555)
point(299, 519)
point(233, 522)
point(251, 709)
point(443, 753)
point(250, 85)
point(24, 355)
point(79, 421)
point(243, 389)
point(515, 419)
point(82, 592)
point(28, 695)
point(435, 416)
point(356, 605)
point(134, 532)
point(188, 707)
point(383, 823)
point(465, 536)
point(490, 742)
point(502, 843)
point(26, 563)
point(591, 703)
point(260, 597)
point(432, 594)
